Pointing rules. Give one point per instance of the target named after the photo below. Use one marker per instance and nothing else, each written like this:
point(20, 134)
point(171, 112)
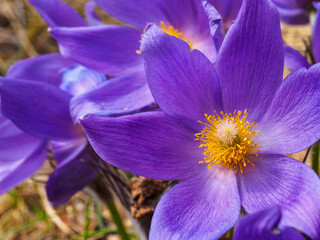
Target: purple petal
point(108, 49)
point(78, 80)
point(57, 13)
point(292, 121)
point(294, 11)
point(293, 3)
point(294, 16)
point(66, 151)
point(44, 68)
point(264, 225)
point(15, 171)
point(37, 108)
point(91, 15)
point(120, 95)
point(228, 9)
point(216, 27)
point(70, 176)
point(250, 61)
point(259, 225)
point(293, 59)
point(202, 207)
point(183, 83)
point(148, 144)
point(7, 128)
point(288, 233)
point(135, 12)
point(17, 145)
point(284, 181)
point(316, 34)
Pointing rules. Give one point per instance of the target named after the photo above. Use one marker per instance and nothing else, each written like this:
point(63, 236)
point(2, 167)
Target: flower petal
point(293, 59)
point(148, 144)
point(228, 9)
point(78, 80)
point(262, 225)
point(294, 11)
point(190, 18)
point(202, 207)
point(216, 28)
point(135, 12)
point(284, 181)
point(183, 83)
point(121, 95)
point(57, 13)
point(15, 171)
point(43, 68)
point(292, 121)
point(259, 225)
point(250, 61)
point(109, 49)
point(66, 151)
point(37, 108)
point(294, 16)
point(91, 16)
point(316, 33)
point(69, 177)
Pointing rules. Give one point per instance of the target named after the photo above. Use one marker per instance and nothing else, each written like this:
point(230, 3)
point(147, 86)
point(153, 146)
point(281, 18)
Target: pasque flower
point(294, 11)
point(35, 96)
point(263, 225)
point(222, 130)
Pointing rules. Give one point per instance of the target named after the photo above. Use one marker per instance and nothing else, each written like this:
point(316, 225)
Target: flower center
point(168, 29)
point(227, 140)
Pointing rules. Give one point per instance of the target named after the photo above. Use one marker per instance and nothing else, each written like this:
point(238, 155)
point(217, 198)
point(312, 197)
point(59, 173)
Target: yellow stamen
point(227, 140)
point(168, 29)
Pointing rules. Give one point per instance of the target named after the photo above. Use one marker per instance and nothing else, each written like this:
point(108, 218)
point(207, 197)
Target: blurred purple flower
point(264, 118)
point(35, 96)
point(264, 225)
point(294, 11)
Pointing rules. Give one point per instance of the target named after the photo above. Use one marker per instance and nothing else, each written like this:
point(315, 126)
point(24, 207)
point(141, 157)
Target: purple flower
point(294, 11)
point(239, 106)
point(264, 225)
point(36, 94)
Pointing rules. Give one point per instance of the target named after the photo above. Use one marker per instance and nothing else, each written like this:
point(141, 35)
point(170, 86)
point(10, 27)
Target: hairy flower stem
point(315, 157)
point(117, 220)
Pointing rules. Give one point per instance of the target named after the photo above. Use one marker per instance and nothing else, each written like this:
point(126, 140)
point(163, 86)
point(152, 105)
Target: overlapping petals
point(21, 155)
point(277, 179)
point(250, 61)
point(294, 11)
point(57, 13)
point(159, 146)
point(291, 123)
point(44, 68)
point(119, 96)
point(293, 59)
point(263, 225)
point(49, 120)
point(110, 49)
point(179, 91)
point(202, 207)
